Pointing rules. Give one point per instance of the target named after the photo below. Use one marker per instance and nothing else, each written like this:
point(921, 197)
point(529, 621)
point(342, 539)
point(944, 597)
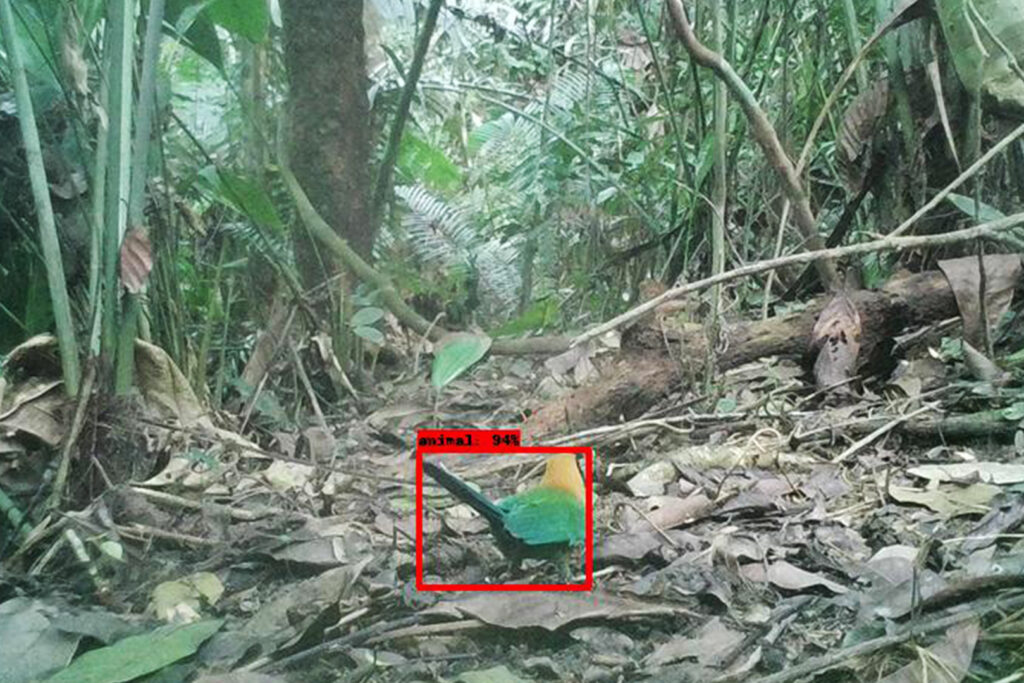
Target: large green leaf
point(455, 353)
point(195, 29)
point(986, 212)
point(248, 18)
point(242, 194)
point(419, 161)
point(366, 316)
point(980, 40)
point(139, 655)
point(370, 334)
point(540, 314)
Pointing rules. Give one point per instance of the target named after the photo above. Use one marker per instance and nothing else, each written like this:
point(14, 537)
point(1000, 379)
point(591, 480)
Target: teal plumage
point(542, 522)
point(541, 516)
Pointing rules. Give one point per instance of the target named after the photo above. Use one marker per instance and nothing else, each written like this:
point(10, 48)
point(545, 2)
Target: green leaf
point(248, 18)
point(1014, 412)
point(370, 334)
point(725, 405)
point(456, 353)
point(540, 314)
point(419, 161)
point(195, 30)
point(705, 158)
point(366, 316)
point(139, 655)
point(243, 195)
point(986, 213)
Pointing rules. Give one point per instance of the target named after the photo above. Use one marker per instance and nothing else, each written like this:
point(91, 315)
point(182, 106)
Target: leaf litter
point(727, 547)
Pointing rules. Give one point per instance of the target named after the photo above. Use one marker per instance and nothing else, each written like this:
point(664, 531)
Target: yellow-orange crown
point(561, 473)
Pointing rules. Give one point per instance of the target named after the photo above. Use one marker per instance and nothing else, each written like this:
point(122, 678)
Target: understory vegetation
point(763, 257)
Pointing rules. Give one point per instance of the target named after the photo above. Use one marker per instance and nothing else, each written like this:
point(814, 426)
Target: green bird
point(542, 522)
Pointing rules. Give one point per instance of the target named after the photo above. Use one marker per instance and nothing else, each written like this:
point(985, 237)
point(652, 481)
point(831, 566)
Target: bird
point(542, 522)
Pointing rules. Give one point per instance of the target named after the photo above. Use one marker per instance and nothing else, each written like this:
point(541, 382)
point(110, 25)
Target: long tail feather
point(464, 492)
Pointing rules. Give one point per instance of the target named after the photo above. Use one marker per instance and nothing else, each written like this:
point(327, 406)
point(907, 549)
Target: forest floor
point(771, 536)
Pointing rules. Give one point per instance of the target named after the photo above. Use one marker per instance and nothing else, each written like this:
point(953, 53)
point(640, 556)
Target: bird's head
point(562, 473)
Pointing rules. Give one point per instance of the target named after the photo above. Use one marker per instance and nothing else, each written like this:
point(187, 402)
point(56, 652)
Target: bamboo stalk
point(44, 210)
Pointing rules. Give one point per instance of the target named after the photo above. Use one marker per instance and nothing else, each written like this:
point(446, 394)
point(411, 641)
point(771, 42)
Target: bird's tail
point(464, 492)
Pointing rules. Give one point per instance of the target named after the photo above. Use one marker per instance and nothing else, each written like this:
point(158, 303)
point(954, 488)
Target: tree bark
point(661, 357)
point(329, 149)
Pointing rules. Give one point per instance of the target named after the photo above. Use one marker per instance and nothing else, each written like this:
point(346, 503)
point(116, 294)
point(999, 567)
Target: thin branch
point(888, 243)
point(911, 630)
point(960, 179)
point(412, 78)
point(765, 136)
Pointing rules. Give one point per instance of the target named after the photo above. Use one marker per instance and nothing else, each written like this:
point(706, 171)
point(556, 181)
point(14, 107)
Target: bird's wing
point(541, 516)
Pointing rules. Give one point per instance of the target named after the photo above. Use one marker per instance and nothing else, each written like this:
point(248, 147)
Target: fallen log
point(660, 356)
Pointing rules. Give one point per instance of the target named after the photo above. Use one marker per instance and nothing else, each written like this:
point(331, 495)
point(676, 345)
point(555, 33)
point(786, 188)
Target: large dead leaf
point(549, 611)
point(947, 661)
point(1002, 271)
point(949, 502)
point(710, 642)
point(35, 407)
point(136, 259)
point(857, 132)
point(788, 576)
point(629, 546)
point(292, 609)
point(326, 542)
point(666, 512)
point(37, 356)
point(268, 343)
point(163, 385)
point(836, 336)
point(966, 472)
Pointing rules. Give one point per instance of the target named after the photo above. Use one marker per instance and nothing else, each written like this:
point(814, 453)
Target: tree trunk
point(330, 124)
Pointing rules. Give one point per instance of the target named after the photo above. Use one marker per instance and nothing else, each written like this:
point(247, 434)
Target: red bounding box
point(434, 441)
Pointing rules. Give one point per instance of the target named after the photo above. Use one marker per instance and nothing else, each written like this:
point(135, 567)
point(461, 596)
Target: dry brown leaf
point(857, 133)
point(711, 641)
point(836, 336)
point(949, 501)
point(989, 472)
point(35, 407)
point(652, 480)
point(947, 661)
point(1002, 272)
point(666, 512)
point(549, 611)
point(136, 259)
point(292, 609)
point(982, 368)
point(788, 576)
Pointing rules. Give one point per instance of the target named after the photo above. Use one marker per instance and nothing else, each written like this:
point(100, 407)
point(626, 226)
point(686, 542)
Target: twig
point(412, 77)
point(960, 180)
point(427, 630)
point(887, 427)
point(179, 502)
point(724, 660)
point(888, 243)
point(350, 640)
point(136, 530)
point(824, 662)
point(308, 387)
point(71, 438)
point(763, 132)
point(658, 529)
